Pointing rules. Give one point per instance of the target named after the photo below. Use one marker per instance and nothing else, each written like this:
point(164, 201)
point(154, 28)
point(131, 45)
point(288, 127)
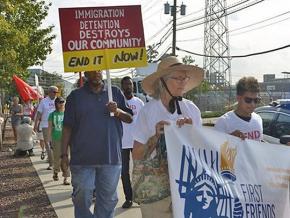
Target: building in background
point(46, 79)
point(274, 88)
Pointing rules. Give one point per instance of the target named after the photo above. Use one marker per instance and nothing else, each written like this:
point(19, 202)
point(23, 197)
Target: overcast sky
point(268, 28)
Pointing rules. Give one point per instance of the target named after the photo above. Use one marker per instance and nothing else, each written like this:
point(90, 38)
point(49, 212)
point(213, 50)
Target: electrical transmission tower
point(216, 44)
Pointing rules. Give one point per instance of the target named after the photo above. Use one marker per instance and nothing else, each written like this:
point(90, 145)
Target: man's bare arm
point(36, 121)
point(66, 134)
point(123, 116)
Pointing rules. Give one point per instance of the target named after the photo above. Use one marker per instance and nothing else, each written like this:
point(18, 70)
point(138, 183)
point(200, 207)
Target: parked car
point(276, 121)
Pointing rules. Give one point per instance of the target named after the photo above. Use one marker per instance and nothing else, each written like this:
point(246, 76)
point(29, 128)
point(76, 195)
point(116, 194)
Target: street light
point(173, 9)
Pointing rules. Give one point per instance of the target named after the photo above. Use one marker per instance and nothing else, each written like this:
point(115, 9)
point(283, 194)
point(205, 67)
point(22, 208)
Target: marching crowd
point(91, 138)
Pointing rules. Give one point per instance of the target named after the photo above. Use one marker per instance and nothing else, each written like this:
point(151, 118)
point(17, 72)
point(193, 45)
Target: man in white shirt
point(243, 122)
point(135, 104)
point(46, 106)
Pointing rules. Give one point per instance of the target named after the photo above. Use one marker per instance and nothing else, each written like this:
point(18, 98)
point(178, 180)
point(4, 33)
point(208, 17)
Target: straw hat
point(171, 64)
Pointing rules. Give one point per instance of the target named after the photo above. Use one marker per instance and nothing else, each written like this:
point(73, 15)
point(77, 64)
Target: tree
point(187, 59)
point(152, 53)
point(202, 88)
point(23, 42)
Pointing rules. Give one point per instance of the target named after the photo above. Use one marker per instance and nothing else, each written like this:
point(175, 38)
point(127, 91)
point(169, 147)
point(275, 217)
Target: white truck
point(138, 91)
point(141, 73)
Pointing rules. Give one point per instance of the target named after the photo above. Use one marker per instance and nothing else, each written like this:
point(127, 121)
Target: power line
point(229, 13)
point(162, 40)
point(160, 30)
point(194, 12)
point(168, 33)
point(202, 17)
point(152, 13)
point(149, 6)
point(201, 10)
point(262, 21)
point(243, 27)
point(270, 24)
point(164, 52)
point(236, 56)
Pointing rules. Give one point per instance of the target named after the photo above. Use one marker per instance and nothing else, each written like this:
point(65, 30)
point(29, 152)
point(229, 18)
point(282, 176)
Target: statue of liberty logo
point(208, 192)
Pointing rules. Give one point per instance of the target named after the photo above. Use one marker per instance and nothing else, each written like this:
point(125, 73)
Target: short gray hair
point(52, 88)
point(158, 89)
point(26, 120)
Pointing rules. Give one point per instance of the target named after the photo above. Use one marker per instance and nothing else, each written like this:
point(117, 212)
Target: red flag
point(25, 91)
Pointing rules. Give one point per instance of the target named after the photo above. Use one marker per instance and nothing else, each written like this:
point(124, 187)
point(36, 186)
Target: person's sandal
point(65, 182)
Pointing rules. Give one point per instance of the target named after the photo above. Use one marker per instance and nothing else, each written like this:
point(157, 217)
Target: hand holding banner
point(213, 174)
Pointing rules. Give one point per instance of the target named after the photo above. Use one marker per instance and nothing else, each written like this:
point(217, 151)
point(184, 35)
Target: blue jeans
point(104, 179)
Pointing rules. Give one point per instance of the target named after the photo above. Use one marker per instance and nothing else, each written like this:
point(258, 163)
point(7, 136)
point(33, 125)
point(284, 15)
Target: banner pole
point(80, 79)
point(110, 95)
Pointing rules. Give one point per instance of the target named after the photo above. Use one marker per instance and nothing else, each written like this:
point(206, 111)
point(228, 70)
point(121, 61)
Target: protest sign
point(213, 174)
point(98, 38)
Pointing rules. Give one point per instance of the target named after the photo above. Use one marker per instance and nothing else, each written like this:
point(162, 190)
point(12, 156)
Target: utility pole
point(173, 10)
point(173, 14)
point(216, 44)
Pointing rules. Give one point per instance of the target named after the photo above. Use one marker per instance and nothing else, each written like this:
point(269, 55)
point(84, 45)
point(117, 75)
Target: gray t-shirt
point(16, 119)
point(96, 136)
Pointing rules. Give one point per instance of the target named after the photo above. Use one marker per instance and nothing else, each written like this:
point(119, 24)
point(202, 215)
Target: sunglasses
point(249, 100)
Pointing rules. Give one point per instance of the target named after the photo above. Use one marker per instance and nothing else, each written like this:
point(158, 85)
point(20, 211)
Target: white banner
point(217, 175)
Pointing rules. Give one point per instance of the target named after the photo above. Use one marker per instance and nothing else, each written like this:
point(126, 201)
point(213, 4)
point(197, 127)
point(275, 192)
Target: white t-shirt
point(27, 109)
point(135, 104)
point(230, 122)
point(154, 111)
point(24, 137)
point(46, 106)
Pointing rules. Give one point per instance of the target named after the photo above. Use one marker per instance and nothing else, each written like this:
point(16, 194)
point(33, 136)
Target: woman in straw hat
point(167, 85)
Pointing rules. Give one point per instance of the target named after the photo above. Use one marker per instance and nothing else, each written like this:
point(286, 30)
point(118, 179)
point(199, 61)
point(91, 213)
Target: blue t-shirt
point(96, 136)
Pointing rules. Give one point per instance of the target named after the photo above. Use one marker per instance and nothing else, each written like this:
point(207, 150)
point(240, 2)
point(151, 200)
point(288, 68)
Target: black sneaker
point(127, 204)
point(55, 177)
point(65, 182)
point(42, 156)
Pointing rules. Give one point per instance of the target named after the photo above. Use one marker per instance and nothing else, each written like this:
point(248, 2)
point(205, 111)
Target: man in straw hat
point(167, 85)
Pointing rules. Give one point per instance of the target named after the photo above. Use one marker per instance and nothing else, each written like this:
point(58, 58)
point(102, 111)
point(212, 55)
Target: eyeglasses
point(249, 100)
point(55, 92)
point(180, 79)
point(61, 102)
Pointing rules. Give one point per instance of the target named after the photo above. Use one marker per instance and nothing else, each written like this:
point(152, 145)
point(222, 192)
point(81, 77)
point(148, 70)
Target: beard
point(96, 82)
point(128, 92)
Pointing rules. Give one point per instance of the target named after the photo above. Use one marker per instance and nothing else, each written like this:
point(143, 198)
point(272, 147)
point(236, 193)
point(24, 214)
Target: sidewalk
point(60, 195)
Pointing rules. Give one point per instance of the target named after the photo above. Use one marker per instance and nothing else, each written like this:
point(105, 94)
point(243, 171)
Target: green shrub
point(209, 114)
